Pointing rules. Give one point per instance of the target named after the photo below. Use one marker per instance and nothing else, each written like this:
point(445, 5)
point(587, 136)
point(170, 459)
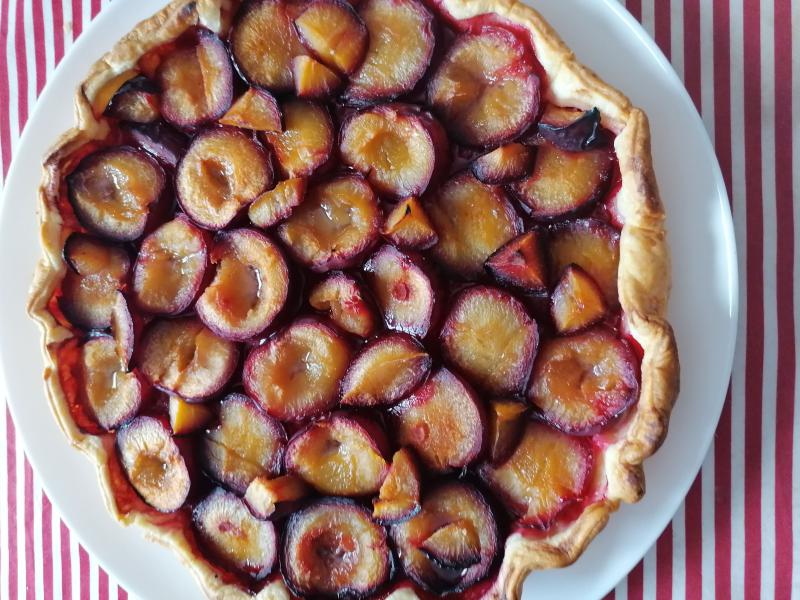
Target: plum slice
point(184, 357)
point(264, 494)
point(583, 382)
point(97, 270)
point(339, 455)
point(451, 544)
point(222, 172)
point(246, 443)
point(398, 498)
point(159, 139)
point(345, 300)
point(577, 301)
point(504, 164)
point(401, 43)
point(408, 226)
point(398, 147)
point(170, 267)
point(425, 422)
point(249, 288)
point(572, 130)
point(136, 101)
point(187, 417)
point(333, 548)
point(485, 89)
point(296, 373)
point(122, 329)
point(547, 472)
point(112, 394)
point(520, 263)
point(591, 244)
point(334, 33)
point(405, 290)
point(153, 463)
point(277, 204)
point(506, 424)
point(257, 110)
point(263, 42)
point(112, 190)
point(234, 536)
point(337, 222)
point(385, 371)
point(489, 337)
point(313, 80)
point(563, 183)
point(307, 139)
point(196, 82)
point(472, 220)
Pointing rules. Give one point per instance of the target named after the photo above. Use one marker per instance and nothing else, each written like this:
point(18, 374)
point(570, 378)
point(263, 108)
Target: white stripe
point(4, 557)
point(676, 41)
point(19, 459)
point(648, 17)
point(649, 573)
point(66, 10)
point(795, 112)
point(679, 553)
point(621, 591)
point(38, 548)
point(11, 65)
point(86, 13)
point(30, 54)
point(93, 577)
point(707, 64)
point(75, 567)
point(55, 527)
point(708, 539)
point(49, 38)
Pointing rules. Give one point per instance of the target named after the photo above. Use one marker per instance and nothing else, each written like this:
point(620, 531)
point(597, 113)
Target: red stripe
point(58, 30)
point(11, 495)
point(663, 25)
point(610, 596)
point(722, 88)
point(30, 557)
point(39, 46)
point(121, 594)
point(95, 8)
point(83, 566)
point(47, 547)
point(787, 358)
point(693, 535)
point(22, 66)
point(77, 18)
point(635, 8)
point(691, 50)
point(5, 100)
point(722, 502)
point(66, 564)
point(102, 583)
point(664, 565)
point(636, 582)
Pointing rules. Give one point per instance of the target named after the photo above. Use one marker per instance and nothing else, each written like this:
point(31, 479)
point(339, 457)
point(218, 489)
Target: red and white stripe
point(735, 535)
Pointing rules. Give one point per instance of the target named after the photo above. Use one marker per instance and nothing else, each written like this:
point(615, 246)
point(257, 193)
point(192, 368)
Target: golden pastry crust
point(643, 280)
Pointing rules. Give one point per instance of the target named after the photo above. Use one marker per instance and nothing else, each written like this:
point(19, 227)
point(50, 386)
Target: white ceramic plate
point(703, 309)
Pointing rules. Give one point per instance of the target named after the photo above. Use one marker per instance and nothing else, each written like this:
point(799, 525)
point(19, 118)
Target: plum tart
point(357, 299)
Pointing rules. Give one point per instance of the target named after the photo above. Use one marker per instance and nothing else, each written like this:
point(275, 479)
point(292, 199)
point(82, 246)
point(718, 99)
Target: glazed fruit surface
point(346, 316)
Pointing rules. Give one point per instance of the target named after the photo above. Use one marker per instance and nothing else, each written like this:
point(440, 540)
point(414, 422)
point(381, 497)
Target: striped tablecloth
point(735, 534)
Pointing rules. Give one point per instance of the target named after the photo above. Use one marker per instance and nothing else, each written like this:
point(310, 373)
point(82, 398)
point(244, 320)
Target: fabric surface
point(735, 535)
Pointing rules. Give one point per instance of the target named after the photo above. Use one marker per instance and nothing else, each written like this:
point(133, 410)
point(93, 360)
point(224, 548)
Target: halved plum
point(577, 301)
point(505, 425)
point(504, 164)
point(153, 463)
point(307, 139)
point(333, 548)
point(583, 382)
point(572, 130)
point(334, 33)
point(591, 244)
point(313, 80)
point(224, 170)
point(234, 536)
point(196, 82)
point(184, 357)
point(296, 373)
point(399, 497)
point(256, 110)
point(490, 338)
point(385, 371)
point(136, 101)
point(485, 89)
point(520, 263)
point(249, 288)
point(97, 270)
point(187, 417)
point(170, 267)
point(159, 139)
point(451, 544)
point(405, 289)
point(472, 220)
point(339, 455)
point(246, 443)
point(408, 226)
point(426, 422)
point(263, 495)
point(401, 44)
point(277, 204)
point(345, 300)
point(112, 190)
point(113, 395)
point(399, 148)
point(547, 472)
point(122, 328)
point(337, 222)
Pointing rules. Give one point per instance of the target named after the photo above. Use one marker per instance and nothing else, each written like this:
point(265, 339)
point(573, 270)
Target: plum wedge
point(490, 338)
point(485, 89)
point(425, 422)
point(170, 267)
point(472, 220)
point(296, 373)
point(263, 494)
point(547, 472)
point(224, 170)
point(230, 533)
point(246, 443)
point(136, 101)
point(385, 371)
point(153, 463)
point(277, 204)
point(306, 142)
point(398, 147)
point(504, 164)
point(337, 222)
point(112, 394)
point(333, 548)
point(340, 455)
point(408, 226)
point(113, 189)
point(184, 357)
point(158, 139)
point(333, 32)
point(577, 302)
point(505, 426)
point(583, 382)
point(521, 264)
point(346, 302)
point(313, 80)
point(256, 110)
point(572, 130)
point(188, 417)
point(399, 497)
